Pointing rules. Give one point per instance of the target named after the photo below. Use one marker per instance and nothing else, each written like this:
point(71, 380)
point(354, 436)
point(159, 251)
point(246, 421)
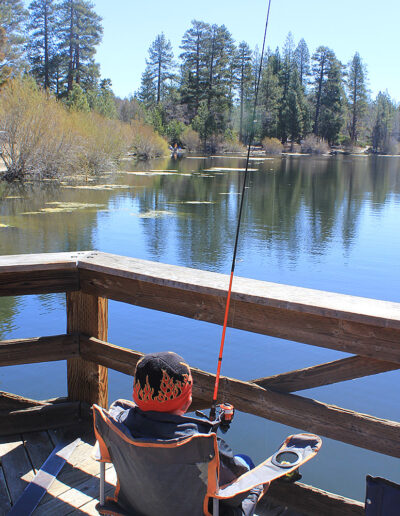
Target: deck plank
point(5, 504)
point(16, 465)
point(39, 446)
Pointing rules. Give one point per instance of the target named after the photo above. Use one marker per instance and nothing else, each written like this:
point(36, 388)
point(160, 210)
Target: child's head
point(163, 383)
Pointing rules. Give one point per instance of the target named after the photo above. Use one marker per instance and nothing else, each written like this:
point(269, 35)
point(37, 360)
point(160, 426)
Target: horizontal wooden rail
point(39, 349)
point(325, 374)
point(11, 402)
point(312, 501)
point(38, 273)
point(42, 417)
point(362, 430)
point(360, 326)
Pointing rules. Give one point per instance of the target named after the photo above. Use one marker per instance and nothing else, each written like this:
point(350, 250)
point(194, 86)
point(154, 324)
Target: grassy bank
point(42, 138)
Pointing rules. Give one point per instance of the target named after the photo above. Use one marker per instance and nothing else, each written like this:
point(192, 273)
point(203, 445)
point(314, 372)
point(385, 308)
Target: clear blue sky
point(346, 26)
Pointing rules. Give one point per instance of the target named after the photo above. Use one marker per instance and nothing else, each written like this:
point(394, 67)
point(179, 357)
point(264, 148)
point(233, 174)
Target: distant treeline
point(206, 94)
point(212, 88)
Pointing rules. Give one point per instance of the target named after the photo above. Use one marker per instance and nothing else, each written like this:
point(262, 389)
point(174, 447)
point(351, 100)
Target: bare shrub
point(190, 139)
point(146, 143)
point(103, 141)
point(35, 138)
point(272, 146)
point(314, 145)
point(41, 138)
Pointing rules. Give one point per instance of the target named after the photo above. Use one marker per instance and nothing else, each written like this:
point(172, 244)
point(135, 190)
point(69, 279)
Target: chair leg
point(102, 481)
point(215, 507)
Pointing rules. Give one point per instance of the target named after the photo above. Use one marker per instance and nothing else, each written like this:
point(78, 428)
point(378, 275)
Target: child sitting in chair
point(162, 392)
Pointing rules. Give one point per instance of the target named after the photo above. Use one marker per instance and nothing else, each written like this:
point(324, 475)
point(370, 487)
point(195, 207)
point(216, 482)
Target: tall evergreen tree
point(270, 95)
point(80, 33)
point(332, 103)
point(159, 69)
point(287, 68)
point(321, 62)
point(356, 84)
point(42, 40)
point(302, 58)
point(193, 70)
point(13, 19)
point(244, 80)
point(382, 128)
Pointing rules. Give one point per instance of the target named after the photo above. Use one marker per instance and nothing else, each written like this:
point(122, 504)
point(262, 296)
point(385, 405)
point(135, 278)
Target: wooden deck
point(76, 489)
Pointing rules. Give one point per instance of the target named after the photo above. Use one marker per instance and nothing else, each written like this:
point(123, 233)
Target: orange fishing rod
point(228, 298)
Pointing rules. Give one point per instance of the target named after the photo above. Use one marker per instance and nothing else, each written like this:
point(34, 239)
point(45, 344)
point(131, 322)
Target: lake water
point(329, 223)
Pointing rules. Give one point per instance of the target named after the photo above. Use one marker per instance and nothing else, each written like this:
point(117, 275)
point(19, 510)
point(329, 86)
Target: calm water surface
point(323, 223)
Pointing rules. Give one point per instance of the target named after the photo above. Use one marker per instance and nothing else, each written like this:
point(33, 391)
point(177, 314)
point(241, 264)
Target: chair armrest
point(305, 446)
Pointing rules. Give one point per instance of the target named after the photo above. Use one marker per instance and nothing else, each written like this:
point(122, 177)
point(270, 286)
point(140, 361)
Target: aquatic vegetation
point(5, 226)
point(198, 202)
point(231, 169)
point(153, 214)
point(63, 207)
point(96, 187)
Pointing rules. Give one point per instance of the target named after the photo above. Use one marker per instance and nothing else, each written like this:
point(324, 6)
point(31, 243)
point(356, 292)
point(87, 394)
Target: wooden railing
point(369, 329)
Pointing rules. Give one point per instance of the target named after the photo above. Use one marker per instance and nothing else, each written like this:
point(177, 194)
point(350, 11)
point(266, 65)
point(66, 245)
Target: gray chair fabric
point(179, 476)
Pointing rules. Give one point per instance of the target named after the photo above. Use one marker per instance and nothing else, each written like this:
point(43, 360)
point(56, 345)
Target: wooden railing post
point(87, 381)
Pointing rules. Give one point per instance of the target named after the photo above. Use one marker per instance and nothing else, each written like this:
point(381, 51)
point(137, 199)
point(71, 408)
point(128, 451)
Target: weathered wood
point(325, 374)
point(356, 333)
point(15, 464)
point(39, 349)
point(10, 401)
point(39, 418)
point(5, 502)
point(87, 380)
point(360, 430)
point(38, 282)
point(312, 501)
point(330, 304)
point(111, 356)
point(40, 262)
point(38, 446)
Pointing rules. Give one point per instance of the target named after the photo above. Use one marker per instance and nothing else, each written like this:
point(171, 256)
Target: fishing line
point(228, 299)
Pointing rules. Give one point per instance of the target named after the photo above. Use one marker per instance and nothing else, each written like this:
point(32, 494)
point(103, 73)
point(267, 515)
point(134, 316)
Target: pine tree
point(287, 68)
point(332, 103)
point(270, 95)
point(80, 33)
point(102, 99)
point(159, 68)
point(244, 80)
point(356, 84)
point(193, 70)
point(322, 59)
point(42, 40)
point(381, 132)
point(302, 58)
point(77, 99)
point(147, 92)
point(13, 18)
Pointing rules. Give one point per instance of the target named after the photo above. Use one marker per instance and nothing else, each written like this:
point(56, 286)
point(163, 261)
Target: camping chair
point(180, 476)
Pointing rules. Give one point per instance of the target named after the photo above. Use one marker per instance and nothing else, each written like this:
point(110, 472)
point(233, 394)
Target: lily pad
point(63, 207)
point(153, 214)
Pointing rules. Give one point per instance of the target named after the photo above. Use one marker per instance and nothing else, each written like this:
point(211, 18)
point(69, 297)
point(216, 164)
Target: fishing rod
point(227, 408)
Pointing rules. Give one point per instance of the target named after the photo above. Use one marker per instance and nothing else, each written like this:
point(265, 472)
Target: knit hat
point(163, 382)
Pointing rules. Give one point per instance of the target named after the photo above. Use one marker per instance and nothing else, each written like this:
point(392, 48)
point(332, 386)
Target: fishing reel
point(226, 413)
point(221, 415)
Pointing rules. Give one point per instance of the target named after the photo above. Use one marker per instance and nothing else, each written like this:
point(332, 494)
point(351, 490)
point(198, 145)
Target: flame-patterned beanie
point(163, 382)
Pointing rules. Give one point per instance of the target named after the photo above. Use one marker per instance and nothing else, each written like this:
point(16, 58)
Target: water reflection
point(318, 222)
